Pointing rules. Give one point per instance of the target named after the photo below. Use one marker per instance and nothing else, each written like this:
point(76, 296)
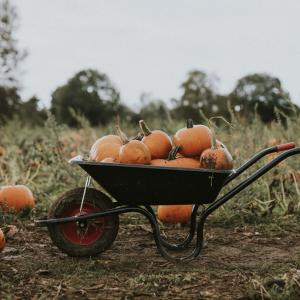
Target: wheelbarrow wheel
point(84, 238)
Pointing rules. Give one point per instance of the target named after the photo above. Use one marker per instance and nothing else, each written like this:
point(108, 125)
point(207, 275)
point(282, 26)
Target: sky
point(150, 46)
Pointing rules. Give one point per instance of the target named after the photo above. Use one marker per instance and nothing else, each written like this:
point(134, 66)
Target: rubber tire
point(68, 200)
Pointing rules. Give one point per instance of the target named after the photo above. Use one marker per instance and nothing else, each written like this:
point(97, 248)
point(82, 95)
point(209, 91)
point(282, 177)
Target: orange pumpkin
point(180, 162)
point(133, 152)
point(158, 142)
point(107, 146)
point(2, 240)
point(193, 139)
point(217, 157)
point(177, 161)
point(108, 160)
point(16, 197)
point(174, 213)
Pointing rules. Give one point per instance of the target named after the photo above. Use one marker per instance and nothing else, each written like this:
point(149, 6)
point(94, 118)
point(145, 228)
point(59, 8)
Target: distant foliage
point(9, 103)
point(30, 113)
point(91, 94)
point(10, 54)
point(199, 93)
point(152, 109)
point(262, 94)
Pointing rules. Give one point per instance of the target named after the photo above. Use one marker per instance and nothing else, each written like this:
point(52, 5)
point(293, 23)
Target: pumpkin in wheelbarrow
point(133, 151)
point(105, 147)
point(217, 157)
point(158, 142)
point(193, 139)
point(175, 160)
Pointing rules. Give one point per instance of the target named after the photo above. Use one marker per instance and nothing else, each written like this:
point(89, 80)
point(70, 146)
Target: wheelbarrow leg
point(162, 249)
point(187, 241)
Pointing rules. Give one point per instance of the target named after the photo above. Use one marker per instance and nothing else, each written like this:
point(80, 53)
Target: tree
point(90, 93)
point(10, 55)
point(9, 103)
point(152, 109)
point(261, 93)
point(199, 93)
point(30, 113)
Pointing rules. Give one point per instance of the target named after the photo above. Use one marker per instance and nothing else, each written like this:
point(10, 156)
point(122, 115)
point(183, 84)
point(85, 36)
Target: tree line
point(91, 93)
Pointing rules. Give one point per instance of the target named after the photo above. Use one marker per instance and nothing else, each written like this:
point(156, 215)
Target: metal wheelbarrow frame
point(137, 187)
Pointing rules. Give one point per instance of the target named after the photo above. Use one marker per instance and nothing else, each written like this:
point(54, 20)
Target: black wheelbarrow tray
point(85, 221)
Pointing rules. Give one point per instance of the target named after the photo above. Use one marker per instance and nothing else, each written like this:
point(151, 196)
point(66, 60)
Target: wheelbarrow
point(85, 221)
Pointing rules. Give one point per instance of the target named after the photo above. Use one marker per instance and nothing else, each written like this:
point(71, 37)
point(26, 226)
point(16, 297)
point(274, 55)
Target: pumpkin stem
point(213, 138)
point(173, 153)
point(122, 135)
point(138, 137)
point(213, 134)
point(144, 128)
point(189, 123)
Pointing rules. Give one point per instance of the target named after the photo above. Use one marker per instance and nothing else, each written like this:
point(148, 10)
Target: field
point(252, 248)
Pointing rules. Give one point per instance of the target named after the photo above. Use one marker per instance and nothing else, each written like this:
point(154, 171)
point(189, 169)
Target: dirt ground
point(32, 268)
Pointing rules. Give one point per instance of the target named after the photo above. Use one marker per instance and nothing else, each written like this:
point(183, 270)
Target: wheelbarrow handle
point(242, 185)
point(286, 146)
point(257, 157)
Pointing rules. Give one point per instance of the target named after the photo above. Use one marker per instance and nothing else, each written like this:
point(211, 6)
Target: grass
point(270, 206)
point(39, 158)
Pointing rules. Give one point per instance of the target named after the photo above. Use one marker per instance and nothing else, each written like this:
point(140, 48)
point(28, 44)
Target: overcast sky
point(149, 46)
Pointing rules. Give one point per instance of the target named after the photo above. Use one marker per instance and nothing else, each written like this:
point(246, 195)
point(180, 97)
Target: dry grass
point(39, 158)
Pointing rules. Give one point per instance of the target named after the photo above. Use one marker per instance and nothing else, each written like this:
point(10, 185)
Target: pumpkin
point(158, 142)
point(107, 146)
point(133, 151)
point(108, 160)
point(2, 240)
point(16, 197)
point(175, 160)
point(193, 139)
point(217, 157)
point(174, 213)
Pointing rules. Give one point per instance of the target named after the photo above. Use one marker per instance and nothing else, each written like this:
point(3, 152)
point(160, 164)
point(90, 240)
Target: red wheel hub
point(84, 232)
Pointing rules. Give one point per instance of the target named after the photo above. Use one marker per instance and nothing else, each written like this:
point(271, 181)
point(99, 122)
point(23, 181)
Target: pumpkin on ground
point(107, 146)
point(193, 139)
point(16, 197)
point(177, 161)
point(2, 240)
point(158, 142)
point(174, 213)
point(217, 157)
point(133, 151)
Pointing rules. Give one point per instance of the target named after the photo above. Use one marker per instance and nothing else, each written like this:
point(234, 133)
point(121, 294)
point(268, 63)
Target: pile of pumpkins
point(14, 198)
point(194, 146)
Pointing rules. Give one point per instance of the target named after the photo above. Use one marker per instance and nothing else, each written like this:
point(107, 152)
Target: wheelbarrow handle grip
point(286, 146)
